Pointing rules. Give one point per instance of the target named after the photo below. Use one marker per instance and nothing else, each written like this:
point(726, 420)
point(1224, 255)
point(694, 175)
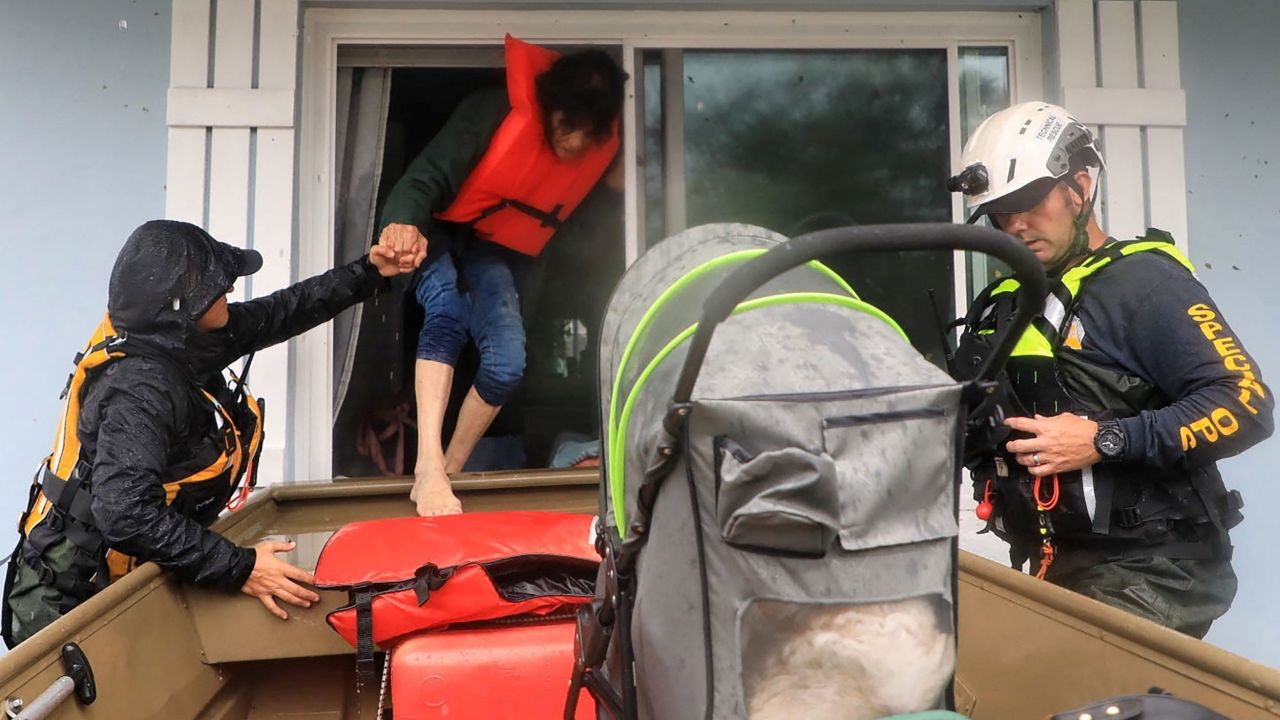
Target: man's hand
point(1062, 443)
point(273, 579)
point(406, 242)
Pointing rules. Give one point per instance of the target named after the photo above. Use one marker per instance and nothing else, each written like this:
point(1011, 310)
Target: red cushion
point(518, 672)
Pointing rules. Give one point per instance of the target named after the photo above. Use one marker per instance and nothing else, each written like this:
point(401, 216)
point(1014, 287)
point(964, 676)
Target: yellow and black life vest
point(1104, 506)
point(61, 494)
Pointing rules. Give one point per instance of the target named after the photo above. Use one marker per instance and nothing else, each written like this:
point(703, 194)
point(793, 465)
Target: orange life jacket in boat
point(412, 573)
point(520, 193)
point(452, 673)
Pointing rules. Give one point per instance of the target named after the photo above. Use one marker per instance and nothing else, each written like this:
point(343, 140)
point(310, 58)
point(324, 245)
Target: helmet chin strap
point(1079, 246)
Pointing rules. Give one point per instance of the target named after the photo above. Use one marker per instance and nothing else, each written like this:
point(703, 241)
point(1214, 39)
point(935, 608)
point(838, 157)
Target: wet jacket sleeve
point(1220, 405)
point(263, 322)
point(433, 179)
point(133, 443)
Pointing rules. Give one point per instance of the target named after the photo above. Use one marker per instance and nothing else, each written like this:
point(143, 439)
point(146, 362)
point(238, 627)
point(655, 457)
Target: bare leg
point(473, 420)
point(431, 489)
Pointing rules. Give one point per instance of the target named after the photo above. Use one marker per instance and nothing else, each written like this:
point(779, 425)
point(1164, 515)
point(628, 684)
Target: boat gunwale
point(1112, 624)
point(24, 662)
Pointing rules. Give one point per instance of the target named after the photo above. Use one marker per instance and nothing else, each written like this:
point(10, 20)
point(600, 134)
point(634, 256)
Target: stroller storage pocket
point(781, 501)
point(896, 467)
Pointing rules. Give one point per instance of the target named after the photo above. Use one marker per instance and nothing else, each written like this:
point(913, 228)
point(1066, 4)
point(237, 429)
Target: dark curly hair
point(586, 86)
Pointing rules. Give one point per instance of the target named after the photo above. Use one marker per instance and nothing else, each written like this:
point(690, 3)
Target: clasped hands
point(401, 249)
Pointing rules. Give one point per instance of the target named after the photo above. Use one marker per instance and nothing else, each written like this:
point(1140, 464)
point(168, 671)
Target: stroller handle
point(1033, 285)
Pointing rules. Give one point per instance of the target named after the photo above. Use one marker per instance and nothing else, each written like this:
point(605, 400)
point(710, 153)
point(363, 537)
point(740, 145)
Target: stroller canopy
point(803, 332)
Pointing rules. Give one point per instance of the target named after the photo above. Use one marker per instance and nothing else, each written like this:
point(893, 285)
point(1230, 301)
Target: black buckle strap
point(550, 219)
point(106, 342)
point(66, 583)
point(1047, 329)
point(67, 496)
point(1223, 505)
point(427, 579)
point(1127, 517)
point(366, 666)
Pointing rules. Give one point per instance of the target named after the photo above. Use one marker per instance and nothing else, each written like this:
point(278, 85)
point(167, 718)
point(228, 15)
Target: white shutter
point(1137, 104)
point(236, 131)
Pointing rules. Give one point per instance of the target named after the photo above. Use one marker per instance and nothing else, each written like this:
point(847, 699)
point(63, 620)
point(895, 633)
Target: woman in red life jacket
point(485, 196)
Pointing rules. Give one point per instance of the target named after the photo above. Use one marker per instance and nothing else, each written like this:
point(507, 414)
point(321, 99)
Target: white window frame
point(325, 29)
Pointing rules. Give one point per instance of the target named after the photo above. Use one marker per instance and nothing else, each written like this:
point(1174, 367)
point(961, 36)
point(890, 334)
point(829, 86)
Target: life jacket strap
point(1215, 509)
point(366, 667)
point(550, 219)
point(74, 590)
point(103, 344)
point(68, 497)
point(428, 579)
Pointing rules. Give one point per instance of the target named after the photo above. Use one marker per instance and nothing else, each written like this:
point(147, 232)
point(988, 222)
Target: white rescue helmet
point(1017, 155)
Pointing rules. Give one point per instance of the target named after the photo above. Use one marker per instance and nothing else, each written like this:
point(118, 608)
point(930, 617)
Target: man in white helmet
point(1118, 400)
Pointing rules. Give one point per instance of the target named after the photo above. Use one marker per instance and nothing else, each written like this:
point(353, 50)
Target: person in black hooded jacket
point(163, 441)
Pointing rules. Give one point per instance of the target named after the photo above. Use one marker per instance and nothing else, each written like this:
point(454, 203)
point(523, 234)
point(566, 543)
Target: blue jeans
point(489, 310)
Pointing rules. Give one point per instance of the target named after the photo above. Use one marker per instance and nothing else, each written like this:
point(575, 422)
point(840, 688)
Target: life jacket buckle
point(43, 572)
point(56, 520)
point(1127, 517)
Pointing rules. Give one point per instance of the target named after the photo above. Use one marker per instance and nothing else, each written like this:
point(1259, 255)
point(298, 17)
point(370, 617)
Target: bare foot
point(434, 496)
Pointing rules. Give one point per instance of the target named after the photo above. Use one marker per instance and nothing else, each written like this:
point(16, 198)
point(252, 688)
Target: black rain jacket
point(144, 412)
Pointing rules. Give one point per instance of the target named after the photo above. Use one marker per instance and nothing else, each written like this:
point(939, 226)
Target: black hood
point(167, 275)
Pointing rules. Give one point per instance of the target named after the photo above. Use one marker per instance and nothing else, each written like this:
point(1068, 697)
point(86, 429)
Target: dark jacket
point(435, 176)
point(144, 413)
point(1147, 317)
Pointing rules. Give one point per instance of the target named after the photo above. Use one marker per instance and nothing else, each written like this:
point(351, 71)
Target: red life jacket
point(408, 574)
point(520, 193)
point(513, 672)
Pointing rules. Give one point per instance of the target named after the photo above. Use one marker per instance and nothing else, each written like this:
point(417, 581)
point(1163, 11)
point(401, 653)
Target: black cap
point(238, 262)
point(173, 267)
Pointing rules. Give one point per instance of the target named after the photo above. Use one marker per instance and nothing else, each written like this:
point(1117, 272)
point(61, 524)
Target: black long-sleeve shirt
point(1147, 316)
point(433, 179)
point(142, 415)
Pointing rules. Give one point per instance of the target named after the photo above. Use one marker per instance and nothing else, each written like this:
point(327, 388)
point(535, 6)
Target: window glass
point(803, 140)
point(984, 89)
point(655, 221)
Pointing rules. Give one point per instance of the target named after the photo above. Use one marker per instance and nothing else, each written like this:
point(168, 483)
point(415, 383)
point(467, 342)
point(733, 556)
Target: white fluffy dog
point(851, 662)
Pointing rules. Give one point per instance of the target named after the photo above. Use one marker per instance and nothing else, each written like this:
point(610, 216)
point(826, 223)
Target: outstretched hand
point(274, 579)
point(384, 259)
point(1061, 443)
point(401, 248)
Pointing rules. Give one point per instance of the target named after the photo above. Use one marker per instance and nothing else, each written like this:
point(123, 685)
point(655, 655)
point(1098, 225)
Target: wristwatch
point(1109, 440)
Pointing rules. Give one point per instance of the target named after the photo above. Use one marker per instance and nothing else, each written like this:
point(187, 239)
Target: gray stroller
point(778, 512)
